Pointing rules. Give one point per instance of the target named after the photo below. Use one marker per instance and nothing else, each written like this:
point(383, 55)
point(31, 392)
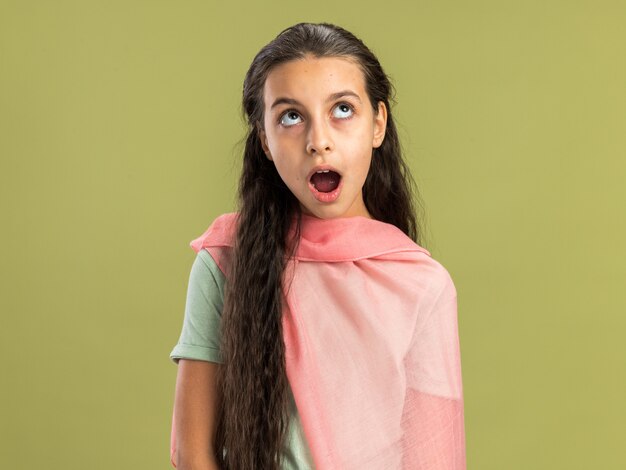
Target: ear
point(380, 125)
point(263, 139)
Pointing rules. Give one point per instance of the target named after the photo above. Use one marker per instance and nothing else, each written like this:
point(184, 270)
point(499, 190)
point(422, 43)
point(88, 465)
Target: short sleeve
point(200, 335)
point(433, 361)
point(434, 408)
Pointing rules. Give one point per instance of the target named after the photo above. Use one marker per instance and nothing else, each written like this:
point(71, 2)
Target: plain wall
point(119, 131)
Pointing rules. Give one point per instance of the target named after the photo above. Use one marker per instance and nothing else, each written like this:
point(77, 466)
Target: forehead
point(313, 79)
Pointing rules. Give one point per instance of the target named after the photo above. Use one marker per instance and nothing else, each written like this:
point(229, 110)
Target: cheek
point(364, 161)
point(365, 165)
point(361, 148)
point(282, 142)
point(361, 137)
point(287, 169)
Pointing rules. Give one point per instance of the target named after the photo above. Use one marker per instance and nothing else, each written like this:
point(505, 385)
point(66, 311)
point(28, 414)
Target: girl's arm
point(194, 415)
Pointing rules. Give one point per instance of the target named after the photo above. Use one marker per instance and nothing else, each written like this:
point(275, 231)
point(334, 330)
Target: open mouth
point(325, 181)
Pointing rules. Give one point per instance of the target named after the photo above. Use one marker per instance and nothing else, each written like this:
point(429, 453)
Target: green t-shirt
point(200, 340)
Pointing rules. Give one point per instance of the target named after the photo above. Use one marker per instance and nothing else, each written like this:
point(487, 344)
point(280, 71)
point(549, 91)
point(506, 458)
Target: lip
point(323, 167)
point(325, 197)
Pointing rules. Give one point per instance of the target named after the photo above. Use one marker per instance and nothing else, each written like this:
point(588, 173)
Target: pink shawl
point(372, 345)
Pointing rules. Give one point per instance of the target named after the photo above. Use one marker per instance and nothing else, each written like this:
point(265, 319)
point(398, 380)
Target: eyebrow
point(334, 96)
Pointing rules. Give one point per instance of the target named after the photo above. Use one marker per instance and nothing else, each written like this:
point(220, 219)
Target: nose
point(319, 139)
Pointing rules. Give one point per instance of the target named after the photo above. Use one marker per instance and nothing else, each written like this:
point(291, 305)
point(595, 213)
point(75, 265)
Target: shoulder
point(225, 221)
point(435, 275)
point(206, 266)
point(435, 269)
point(443, 284)
point(221, 232)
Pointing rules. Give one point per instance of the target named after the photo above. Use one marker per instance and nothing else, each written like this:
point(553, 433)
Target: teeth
point(322, 171)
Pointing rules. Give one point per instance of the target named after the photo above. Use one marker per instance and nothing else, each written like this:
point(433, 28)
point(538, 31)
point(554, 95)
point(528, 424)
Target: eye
point(345, 111)
point(289, 118)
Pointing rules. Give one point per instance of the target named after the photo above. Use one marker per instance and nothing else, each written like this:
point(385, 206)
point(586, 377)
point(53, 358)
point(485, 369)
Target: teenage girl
point(318, 333)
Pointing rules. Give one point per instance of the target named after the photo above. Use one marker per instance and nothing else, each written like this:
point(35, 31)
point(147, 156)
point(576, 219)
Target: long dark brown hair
point(252, 416)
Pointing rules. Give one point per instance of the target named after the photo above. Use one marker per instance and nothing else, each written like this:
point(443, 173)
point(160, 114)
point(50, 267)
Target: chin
point(329, 213)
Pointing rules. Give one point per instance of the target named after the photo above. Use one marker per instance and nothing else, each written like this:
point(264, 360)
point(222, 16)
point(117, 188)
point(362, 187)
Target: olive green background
point(119, 131)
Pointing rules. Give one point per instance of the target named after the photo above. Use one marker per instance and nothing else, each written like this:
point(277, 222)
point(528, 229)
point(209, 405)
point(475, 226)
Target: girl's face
point(318, 116)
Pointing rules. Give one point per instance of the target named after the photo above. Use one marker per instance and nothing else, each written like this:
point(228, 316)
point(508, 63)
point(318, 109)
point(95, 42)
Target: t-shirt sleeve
point(200, 335)
point(434, 408)
point(434, 360)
